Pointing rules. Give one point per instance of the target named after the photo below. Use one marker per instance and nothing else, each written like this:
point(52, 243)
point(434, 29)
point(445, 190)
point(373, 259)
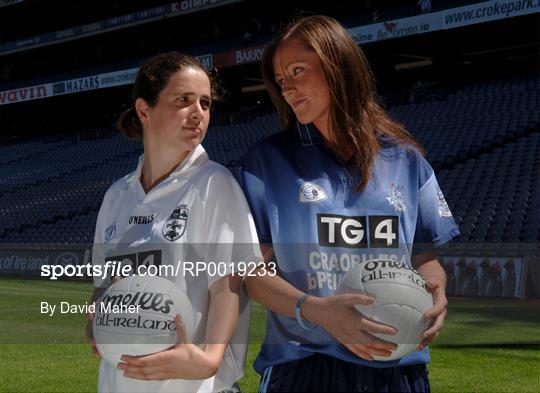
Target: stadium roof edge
point(115, 23)
point(419, 24)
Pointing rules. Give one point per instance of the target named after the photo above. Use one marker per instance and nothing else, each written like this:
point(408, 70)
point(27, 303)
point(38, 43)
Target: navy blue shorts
point(323, 373)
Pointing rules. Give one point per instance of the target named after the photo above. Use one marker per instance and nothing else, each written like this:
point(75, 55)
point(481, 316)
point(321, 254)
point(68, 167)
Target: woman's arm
point(186, 360)
point(222, 317)
point(90, 316)
point(336, 314)
point(433, 273)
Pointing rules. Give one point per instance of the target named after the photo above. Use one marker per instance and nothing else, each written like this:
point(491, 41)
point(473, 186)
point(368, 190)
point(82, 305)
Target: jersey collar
point(194, 160)
point(307, 135)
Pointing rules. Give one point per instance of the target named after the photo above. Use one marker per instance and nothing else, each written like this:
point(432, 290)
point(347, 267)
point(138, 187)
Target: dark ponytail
point(130, 125)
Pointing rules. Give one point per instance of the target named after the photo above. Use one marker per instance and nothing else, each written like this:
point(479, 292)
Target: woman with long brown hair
point(342, 184)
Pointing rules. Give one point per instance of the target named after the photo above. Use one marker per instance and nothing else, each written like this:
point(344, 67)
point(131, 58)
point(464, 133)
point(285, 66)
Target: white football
point(135, 316)
point(400, 296)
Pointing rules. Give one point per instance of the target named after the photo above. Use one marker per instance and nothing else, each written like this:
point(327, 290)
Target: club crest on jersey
point(310, 192)
point(110, 232)
point(175, 226)
point(444, 210)
point(397, 198)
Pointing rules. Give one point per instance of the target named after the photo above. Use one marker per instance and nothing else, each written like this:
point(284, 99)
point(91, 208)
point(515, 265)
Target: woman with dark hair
point(178, 206)
point(342, 184)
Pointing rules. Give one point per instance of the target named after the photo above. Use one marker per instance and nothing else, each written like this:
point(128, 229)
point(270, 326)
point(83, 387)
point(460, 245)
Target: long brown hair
point(356, 118)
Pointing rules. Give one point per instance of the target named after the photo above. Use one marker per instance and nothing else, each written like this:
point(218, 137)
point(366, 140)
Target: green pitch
point(486, 345)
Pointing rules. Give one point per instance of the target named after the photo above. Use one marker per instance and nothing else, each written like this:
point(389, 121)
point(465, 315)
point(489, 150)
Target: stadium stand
point(463, 81)
point(487, 164)
point(495, 197)
point(403, 9)
point(473, 119)
point(226, 42)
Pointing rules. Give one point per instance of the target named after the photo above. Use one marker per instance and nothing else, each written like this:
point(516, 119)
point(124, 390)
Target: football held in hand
point(135, 316)
point(400, 297)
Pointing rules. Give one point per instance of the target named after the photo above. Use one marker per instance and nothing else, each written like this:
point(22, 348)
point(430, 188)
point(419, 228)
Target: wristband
point(303, 324)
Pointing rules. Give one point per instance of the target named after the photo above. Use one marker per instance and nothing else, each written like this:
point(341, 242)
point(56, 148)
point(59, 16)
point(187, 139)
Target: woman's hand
point(338, 316)
point(186, 360)
point(90, 316)
point(183, 361)
point(436, 314)
point(90, 335)
point(435, 276)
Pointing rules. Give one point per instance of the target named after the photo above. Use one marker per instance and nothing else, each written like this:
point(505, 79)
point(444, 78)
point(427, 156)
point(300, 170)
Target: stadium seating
point(496, 197)
point(483, 139)
point(474, 119)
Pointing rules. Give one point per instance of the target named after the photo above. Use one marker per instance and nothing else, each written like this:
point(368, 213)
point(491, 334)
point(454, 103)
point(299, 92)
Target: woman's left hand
point(183, 361)
point(437, 313)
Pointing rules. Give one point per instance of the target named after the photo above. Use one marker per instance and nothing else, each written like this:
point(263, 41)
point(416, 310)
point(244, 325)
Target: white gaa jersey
point(198, 213)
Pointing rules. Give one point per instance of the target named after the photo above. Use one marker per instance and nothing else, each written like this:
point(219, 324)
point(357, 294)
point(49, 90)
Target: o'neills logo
point(141, 219)
point(390, 270)
point(385, 264)
point(138, 322)
point(142, 300)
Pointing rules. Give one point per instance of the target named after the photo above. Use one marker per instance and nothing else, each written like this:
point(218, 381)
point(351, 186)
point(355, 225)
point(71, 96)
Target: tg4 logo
point(353, 232)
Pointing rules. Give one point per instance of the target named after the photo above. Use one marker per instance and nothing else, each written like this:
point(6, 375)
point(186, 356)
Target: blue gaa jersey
point(303, 201)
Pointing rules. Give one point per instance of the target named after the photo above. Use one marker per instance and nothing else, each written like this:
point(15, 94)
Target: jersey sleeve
point(98, 248)
point(435, 224)
point(232, 241)
point(254, 190)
